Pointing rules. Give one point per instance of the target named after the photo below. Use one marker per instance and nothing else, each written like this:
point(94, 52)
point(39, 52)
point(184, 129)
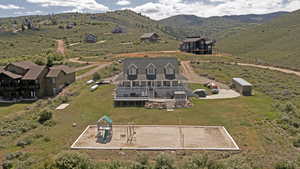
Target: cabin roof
point(148, 35)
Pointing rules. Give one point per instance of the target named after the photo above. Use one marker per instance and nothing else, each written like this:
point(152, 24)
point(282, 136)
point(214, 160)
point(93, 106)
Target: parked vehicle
point(200, 92)
point(90, 82)
point(93, 88)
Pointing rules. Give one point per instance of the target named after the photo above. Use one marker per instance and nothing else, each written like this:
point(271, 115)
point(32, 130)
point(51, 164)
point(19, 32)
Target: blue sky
point(156, 9)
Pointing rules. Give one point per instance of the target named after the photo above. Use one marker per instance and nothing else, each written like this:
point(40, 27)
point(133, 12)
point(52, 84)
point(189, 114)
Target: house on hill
point(21, 81)
point(90, 38)
point(118, 29)
point(197, 45)
point(146, 79)
point(150, 37)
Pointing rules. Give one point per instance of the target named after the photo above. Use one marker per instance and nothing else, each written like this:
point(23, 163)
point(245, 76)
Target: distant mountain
point(181, 26)
point(276, 42)
point(253, 18)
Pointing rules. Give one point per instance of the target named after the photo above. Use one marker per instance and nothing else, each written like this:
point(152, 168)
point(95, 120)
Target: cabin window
point(151, 69)
point(167, 83)
point(132, 70)
point(53, 80)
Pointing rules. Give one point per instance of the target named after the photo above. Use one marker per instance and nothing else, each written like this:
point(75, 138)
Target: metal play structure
point(104, 130)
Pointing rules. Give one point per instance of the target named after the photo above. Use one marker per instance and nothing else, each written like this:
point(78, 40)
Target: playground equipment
point(104, 130)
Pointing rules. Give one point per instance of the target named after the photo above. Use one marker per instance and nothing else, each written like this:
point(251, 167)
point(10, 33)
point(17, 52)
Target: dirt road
point(271, 68)
point(193, 77)
point(60, 47)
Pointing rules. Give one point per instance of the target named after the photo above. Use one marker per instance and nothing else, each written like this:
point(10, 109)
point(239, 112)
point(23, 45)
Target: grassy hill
point(276, 42)
point(27, 44)
point(215, 27)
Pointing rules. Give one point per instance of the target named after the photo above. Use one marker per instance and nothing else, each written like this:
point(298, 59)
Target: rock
point(74, 125)
point(122, 153)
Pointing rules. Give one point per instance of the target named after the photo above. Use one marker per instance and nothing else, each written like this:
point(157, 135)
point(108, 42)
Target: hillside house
point(118, 29)
point(145, 79)
point(90, 38)
point(197, 45)
point(25, 80)
point(150, 37)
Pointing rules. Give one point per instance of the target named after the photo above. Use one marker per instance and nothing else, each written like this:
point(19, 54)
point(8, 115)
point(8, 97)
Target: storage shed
point(242, 86)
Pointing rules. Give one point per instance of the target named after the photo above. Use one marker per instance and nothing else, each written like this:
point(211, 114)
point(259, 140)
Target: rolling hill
point(275, 42)
point(215, 27)
point(27, 44)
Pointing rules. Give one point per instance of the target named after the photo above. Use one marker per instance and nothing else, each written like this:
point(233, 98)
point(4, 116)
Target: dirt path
point(147, 53)
point(193, 77)
point(99, 67)
point(60, 47)
point(271, 68)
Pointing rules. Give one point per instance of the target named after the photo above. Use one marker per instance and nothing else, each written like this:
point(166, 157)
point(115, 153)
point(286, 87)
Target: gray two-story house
point(146, 79)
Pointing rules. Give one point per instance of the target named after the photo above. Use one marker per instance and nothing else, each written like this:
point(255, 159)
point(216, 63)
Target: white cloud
point(78, 5)
point(10, 6)
point(123, 2)
point(167, 8)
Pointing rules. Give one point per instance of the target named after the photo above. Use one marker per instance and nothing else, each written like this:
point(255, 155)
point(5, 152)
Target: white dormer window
point(169, 69)
point(132, 70)
point(151, 69)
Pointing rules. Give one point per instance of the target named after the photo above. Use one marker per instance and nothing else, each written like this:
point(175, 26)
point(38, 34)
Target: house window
point(132, 70)
point(169, 70)
point(135, 84)
point(167, 84)
point(53, 80)
point(151, 69)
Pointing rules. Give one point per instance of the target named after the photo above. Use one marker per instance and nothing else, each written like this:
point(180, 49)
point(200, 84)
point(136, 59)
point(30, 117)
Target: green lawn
point(6, 109)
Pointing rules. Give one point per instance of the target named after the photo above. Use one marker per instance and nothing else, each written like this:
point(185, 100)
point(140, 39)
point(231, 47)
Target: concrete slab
point(150, 137)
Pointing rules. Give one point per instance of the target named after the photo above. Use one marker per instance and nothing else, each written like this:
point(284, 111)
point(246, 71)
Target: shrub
point(44, 116)
point(285, 165)
point(70, 160)
point(163, 162)
point(96, 76)
point(296, 143)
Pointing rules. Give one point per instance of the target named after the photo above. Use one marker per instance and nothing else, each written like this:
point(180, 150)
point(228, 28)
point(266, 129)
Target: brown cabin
point(25, 80)
point(150, 37)
point(197, 45)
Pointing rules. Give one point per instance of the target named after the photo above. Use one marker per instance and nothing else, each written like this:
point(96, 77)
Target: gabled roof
point(142, 64)
point(148, 35)
point(24, 64)
point(34, 72)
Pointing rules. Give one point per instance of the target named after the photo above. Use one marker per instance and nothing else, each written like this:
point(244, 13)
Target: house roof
point(34, 72)
point(143, 63)
point(148, 35)
point(24, 64)
point(159, 63)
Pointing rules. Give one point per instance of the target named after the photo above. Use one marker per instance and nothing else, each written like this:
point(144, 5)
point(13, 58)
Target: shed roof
point(242, 82)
